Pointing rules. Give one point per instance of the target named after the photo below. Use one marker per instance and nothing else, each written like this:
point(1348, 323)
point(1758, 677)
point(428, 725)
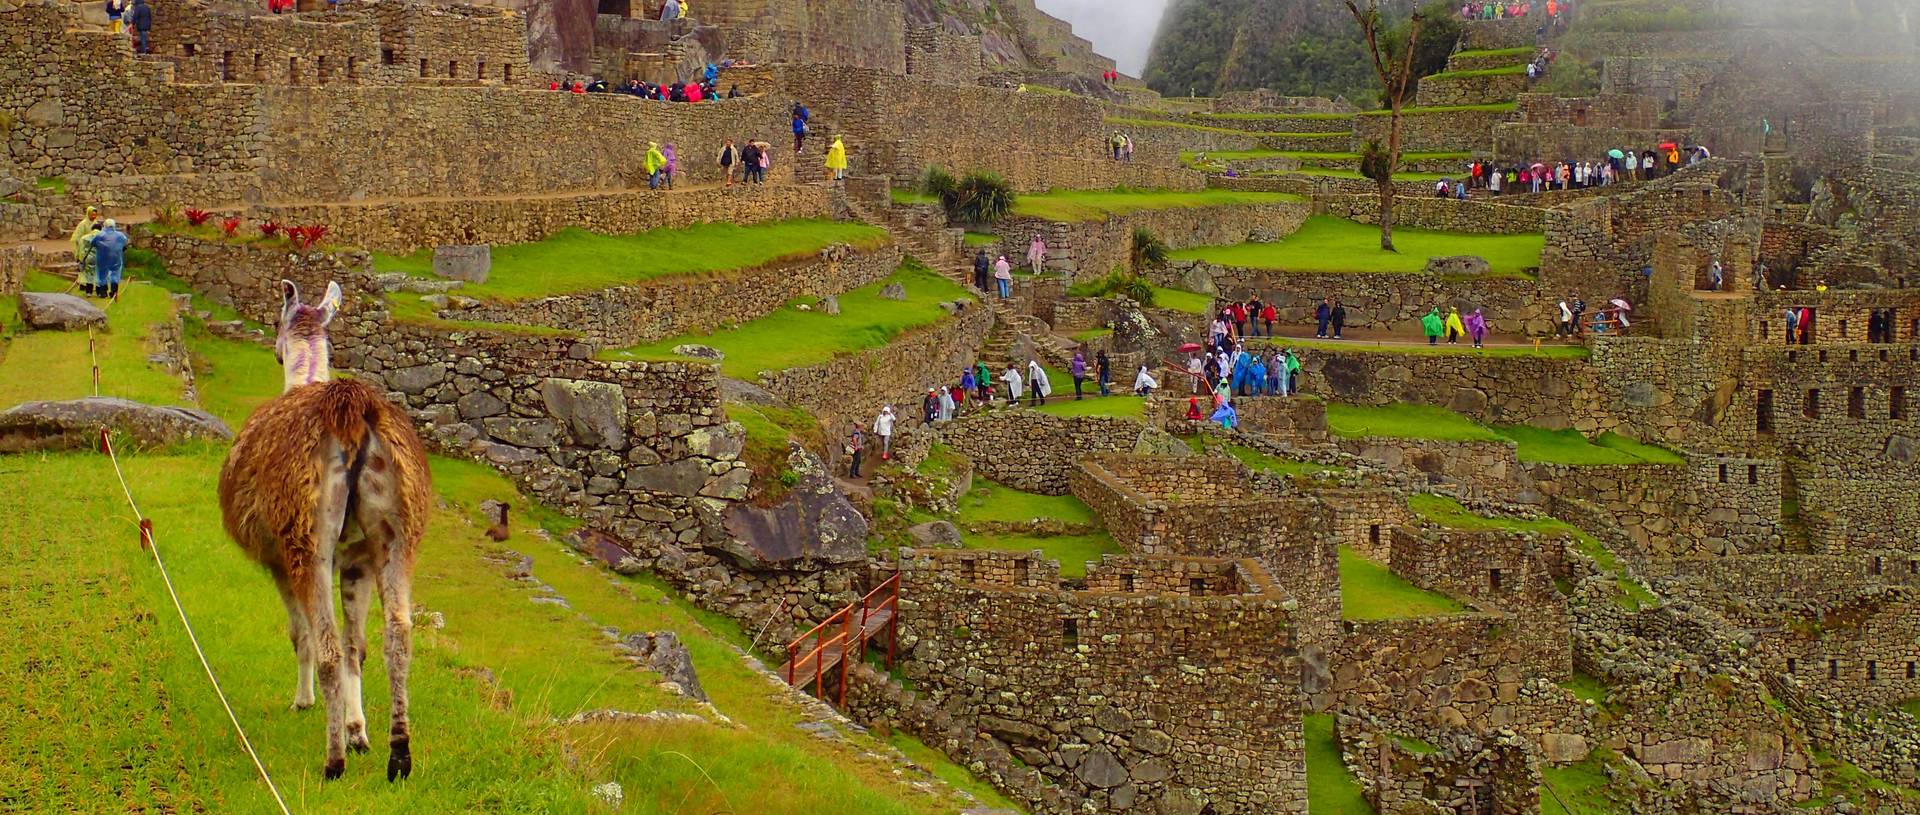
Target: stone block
point(53, 311)
point(595, 413)
point(465, 263)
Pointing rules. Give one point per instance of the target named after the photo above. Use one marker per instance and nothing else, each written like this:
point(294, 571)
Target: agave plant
point(269, 229)
point(230, 225)
point(198, 217)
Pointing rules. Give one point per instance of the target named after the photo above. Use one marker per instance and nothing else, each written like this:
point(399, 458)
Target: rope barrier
point(152, 546)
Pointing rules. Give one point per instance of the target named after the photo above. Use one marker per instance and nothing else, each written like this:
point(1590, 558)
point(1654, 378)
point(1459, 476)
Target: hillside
point(1293, 47)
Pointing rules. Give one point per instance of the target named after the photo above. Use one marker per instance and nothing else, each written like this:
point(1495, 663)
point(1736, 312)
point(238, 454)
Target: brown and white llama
point(329, 478)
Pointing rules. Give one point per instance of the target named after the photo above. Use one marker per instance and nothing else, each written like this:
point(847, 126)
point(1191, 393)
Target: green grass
point(1844, 779)
point(1332, 789)
point(1546, 350)
point(1093, 205)
point(1335, 172)
point(1449, 513)
point(1402, 420)
point(919, 753)
point(1415, 746)
point(575, 260)
point(1190, 156)
point(993, 502)
point(1570, 447)
point(1118, 406)
point(1369, 591)
point(1330, 244)
point(1151, 123)
point(1522, 51)
point(1091, 334)
point(1504, 70)
point(976, 240)
point(909, 196)
point(866, 320)
point(1498, 107)
point(1073, 552)
point(53, 364)
point(1262, 462)
point(54, 184)
point(1588, 688)
point(1912, 707)
point(1190, 302)
point(1272, 116)
point(1581, 788)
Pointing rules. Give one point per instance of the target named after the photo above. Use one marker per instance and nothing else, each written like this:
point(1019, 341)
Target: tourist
point(142, 20)
point(1441, 187)
point(983, 380)
point(1242, 371)
point(750, 161)
point(1455, 328)
point(1104, 367)
point(1238, 314)
point(981, 264)
point(883, 427)
point(929, 407)
point(800, 116)
point(1339, 318)
point(1223, 413)
point(1277, 375)
point(837, 159)
point(967, 382)
point(1079, 370)
point(1038, 383)
point(1432, 325)
point(1203, 372)
point(765, 163)
point(116, 8)
point(82, 239)
point(1477, 327)
point(672, 167)
point(1806, 314)
point(728, 160)
point(1322, 316)
point(1579, 308)
point(1715, 275)
point(1037, 254)
point(1003, 276)
point(1566, 317)
point(856, 444)
point(1126, 148)
point(1193, 409)
point(696, 93)
point(1257, 375)
point(950, 401)
point(670, 11)
point(655, 165)
point(1493, 182)
point(1015, 387)
point(1267, 315)
point(1143, 382)
point(109, 255)
point(1219, 327)
point(1293, 372)
point(1117, 143)
point(733, 92)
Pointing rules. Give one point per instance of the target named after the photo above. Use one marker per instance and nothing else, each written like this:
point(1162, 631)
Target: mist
point(1122, 29)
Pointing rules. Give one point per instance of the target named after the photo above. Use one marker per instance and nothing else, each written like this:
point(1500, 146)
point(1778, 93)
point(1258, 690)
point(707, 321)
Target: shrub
point(304, 237)
point(1375, 163)
point(230, 225)
point(939, 184)
point(167, 215)
point(1148, 250)
point(1119, 281)
point(980, 198)
point(269, 229)
point(198, 217)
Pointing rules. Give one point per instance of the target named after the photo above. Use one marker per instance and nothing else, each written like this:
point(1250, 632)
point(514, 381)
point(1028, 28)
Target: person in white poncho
point(1143, 382)
point(1037, 382)
point(1011, 376)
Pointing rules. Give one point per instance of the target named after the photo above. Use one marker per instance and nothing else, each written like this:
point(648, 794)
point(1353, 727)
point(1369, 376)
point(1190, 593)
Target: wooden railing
point(840, 640)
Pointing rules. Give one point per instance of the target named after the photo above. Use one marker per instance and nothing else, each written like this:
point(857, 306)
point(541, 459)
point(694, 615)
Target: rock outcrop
point(75, 424)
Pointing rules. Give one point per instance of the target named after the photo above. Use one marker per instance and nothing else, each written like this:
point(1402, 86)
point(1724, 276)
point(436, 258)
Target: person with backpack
point(142, 20)
point(800, 117)
point(729, 158)
point(981, 264)
point(856, 444)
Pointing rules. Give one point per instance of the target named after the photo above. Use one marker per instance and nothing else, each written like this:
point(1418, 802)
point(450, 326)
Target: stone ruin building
point(1734, 630)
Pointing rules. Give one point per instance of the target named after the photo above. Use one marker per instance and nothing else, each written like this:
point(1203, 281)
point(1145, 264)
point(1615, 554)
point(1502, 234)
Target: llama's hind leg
point(356, 593)
point(396, 602)
point(302, 647)
point(317, 599)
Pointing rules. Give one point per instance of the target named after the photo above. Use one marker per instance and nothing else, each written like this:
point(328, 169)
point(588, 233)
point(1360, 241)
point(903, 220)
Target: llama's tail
point(349, 409)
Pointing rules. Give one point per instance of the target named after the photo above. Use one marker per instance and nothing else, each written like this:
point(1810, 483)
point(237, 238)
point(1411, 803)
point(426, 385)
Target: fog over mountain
point(1122, 29)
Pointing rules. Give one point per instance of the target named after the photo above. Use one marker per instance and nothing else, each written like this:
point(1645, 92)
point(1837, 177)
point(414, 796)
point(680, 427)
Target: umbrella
point(1616, 154)
point(1190, 348)
point(1538, 166)
point(1622, 304)
point(1704, 153)
point(1667, 145)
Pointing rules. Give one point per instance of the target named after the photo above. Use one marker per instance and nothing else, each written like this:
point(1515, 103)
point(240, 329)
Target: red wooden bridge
point(829, 650)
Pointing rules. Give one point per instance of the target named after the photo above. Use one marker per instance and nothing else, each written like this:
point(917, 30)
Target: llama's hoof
point(300, 704)
point(399, 761)
point(336, 767)
point(357, 737)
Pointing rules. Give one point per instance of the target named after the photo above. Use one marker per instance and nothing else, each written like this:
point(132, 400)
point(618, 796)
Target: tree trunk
point(1386, 179)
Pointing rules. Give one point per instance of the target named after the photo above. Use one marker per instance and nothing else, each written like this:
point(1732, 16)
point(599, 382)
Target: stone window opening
point(1823, 356)
point(1753, 474)
point(1373, 534)
point(1897, 402)
point(1126, 582)
point(293, 70)
point(1873, 671)
point(506, 73)
point(1811, 407)
point(1913, 567)
point(1910, 669)
point(226, 66)
point(453, 69)
point(969, 570)
point(1493, 579)
point(1723, 473)
point(1843, 329)
point(1070, 632)
point(320, 69)
point(1197, 586)
point(1763, 412)
point(256, 67)
point(388, 57)
point(1883, 355)
point(1763, 328)
point(1833, 669)
point(1853, 356)
point(187, 48)
point(1792, 665)
point(1020, 572)
point(423, 69)
point(1857, 403)
point(480, 69)
point(1875, 569)
point(1793, 356)
point(353, 69)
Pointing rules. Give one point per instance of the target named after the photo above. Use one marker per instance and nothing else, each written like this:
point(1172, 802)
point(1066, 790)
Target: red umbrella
point(1190, 348)
point(1668, 146)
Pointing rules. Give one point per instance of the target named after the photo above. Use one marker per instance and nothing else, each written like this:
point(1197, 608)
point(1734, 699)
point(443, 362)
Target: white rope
point(152, 544)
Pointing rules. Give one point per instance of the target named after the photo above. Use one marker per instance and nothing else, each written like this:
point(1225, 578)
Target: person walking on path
point(800, 117)
point(967, 382)
point(1267, 315)
point(109, 256)
point(1322, 316)
point(1793, 323)
point(1432, 325)
point(1455, 328)
point(981, 264)
point(1015, 387)
point(1282, 378)
point(82, 239)
point(947, 405)
point(655, 164)
point(142, 20)
point(1079, 370)
point(670, 11)
point(728, 160)
point(1566, 317)
point(1038, 383)
point(1339, 318)
point(1003, 276)
point(929, 408)
point(1104, 367)
point(856, 444)
point(1037, 254)
point(1293, 372)
point(837, 159)
point(1223, 413)
point(672, 166)
point(983, 380)
point(883, 427)
point(1477, 327)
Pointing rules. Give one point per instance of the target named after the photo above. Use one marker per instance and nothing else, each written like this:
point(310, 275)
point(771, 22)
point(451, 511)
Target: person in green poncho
point(983, 379)
point(1293, 372)
point(1433, 326)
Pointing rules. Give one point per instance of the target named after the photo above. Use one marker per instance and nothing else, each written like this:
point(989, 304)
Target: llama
point(328, 477)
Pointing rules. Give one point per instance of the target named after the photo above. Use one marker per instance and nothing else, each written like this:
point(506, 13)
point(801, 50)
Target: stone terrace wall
point(1465, 563)
point(1708, 731)
point(1363, 519)
point(1285, 419)
point(1474, 89)
point(937, 54)
point(1479, 217)
point(1623, 110)
point(669, 306)
point(1708, 507)
point(1445, 132)
point(1090, 249)
point(1391, 302)
point(1198, 702)
point(1517, 142)
point(898, 371)
point(1853, 418)
point(1861, 646)
point(1669, 80)
point(1478, 469)
point(1471, 671)
point(245, 276)
point(382, 43)
point(1855, 508)
point(1552, 393)
point(1033, 451)
point(401, 227)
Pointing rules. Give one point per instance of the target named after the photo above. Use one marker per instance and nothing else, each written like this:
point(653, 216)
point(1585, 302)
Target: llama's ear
point(289, 300)
point(329, 303)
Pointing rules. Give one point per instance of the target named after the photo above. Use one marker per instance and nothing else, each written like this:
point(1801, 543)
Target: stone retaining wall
point(1443, 132)
point(1625, 110)
point(1711, 506)
point(901, 370)
point(1478, 217)
point(1478, 469)
point(1385, 302)
point(1470, 89)
point(1085, 250)
point(1473, 671)
point(1035, 452)
point(1290, 420)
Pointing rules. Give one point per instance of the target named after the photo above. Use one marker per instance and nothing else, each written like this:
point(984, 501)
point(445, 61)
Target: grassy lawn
point(1091, 334)
point(1504, 70)
point(1256, 460)
point(1073, 552)
point(1150, 123)
point(1093, 205)
point(1329, 244)
point(1332, 789)
point(1267, 116)
point(1118, 406)
point(1912, 707)
point(1580, 788)
point(575, 260)
point(1847, 780)
point(1570, 447)
point(989, 502)
point(977, 240)
point(1369, 591)
point(1546, 351)
point(25, 372)
point(1405, 421)
point(1190, 302)
point(866, 320)
point(1499, 107)
point(908, 195)
point(1588, 688)
point(1522, 51)
point(1335, 172)
point(117, 716)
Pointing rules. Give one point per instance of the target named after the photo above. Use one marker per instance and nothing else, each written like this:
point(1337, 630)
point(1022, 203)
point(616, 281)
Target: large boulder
point(52, 311)
point(664, 654)
point(1469, 265)
point(816, 524)
point(466, 263)
point(594, 412)
point(75, 424)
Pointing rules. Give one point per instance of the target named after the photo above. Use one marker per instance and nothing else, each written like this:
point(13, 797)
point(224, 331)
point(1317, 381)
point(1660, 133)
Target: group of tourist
point(1571, 319)
point(1453, 326)
point(1232, 369)
point(1109, 78)
point(1121, 146)
point(134, 17)
point(703, 89)
point(1617, 166)
point(1504, 11)
point(100, 250)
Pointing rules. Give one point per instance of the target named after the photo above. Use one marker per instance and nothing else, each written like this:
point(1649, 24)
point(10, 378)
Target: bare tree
point(1396, 76)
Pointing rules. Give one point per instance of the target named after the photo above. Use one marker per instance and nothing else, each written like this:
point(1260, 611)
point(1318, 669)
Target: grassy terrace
point(1094, 205)
point(575, 260)
point(1522, 51)
point(1369, 591)
point(1225, 131)
point(1262, 117)
point(990, 502)
point(1332, 789)
point(908, 195)
point(1405, 421)
point(1533, 444)
point(1504, 70)
point(1330, 244)
point(1334, 172)
point(865, 321)
point(1256, 460)
point(1498, 107)
point(1190, 156)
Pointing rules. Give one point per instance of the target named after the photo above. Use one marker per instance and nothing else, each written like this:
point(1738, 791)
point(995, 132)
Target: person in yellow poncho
point(1455, 328)
point(82, 238)
point(837, 159)
point(655, 164)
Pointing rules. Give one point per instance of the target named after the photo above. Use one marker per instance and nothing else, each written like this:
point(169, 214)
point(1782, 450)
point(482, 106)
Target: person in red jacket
point(1267, 315)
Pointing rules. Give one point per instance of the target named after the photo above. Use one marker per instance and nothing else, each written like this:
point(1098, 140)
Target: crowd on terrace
point(1617, 166)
